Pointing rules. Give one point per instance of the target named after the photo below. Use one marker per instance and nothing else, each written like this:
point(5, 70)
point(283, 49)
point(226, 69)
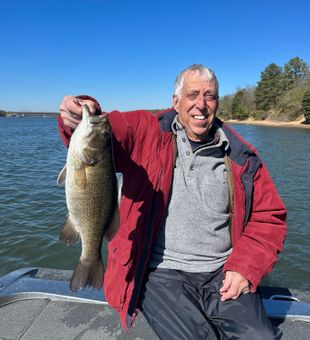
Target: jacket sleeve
point(255, 252)
point(128, 129)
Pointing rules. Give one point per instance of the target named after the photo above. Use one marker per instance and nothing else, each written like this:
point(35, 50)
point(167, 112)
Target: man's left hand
point(234, 284)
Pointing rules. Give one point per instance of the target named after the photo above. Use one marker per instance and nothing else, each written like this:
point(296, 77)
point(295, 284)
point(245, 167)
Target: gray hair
point(204, 72)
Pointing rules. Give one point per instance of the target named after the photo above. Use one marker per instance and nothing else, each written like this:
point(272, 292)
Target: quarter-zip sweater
point(144, 151)
point(195, 235)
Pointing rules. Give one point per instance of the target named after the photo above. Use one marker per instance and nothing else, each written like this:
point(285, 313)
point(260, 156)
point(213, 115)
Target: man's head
point(196, 101)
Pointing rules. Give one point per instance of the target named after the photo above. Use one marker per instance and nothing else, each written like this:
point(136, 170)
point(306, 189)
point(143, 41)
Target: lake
point(32, 208)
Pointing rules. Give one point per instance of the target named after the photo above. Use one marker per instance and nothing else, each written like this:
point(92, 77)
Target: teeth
point(200, 117)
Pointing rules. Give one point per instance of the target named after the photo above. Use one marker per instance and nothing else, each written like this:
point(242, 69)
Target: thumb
point(91, 105)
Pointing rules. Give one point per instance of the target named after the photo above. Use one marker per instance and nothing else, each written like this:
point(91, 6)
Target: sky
point(127, 53)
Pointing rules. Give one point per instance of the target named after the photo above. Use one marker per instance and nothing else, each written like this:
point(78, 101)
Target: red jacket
point(143, 147)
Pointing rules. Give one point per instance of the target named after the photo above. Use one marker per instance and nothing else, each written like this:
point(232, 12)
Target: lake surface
point(32, 208)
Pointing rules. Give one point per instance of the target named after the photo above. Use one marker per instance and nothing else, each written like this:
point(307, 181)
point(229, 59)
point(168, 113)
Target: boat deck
point(37, 304)
point(47, 319)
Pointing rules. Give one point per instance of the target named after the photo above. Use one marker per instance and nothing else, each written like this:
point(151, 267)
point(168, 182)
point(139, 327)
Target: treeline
point(282, 93)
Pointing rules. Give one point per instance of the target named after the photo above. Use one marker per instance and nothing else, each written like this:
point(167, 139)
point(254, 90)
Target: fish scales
point(91, 196)
point(90, 207)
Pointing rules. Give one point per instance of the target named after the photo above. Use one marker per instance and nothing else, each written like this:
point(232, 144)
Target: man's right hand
point(71, 109)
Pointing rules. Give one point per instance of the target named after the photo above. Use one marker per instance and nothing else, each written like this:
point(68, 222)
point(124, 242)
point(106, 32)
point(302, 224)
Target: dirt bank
point(299, 123)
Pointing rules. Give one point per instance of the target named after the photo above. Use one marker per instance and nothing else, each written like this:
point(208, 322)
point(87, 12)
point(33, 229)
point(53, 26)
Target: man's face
point(196, 106)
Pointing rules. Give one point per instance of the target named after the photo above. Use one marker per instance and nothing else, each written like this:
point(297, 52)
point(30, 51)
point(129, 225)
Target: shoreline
point(274, 123)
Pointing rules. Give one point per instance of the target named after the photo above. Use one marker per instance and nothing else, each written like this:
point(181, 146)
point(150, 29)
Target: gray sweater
point(195, 236)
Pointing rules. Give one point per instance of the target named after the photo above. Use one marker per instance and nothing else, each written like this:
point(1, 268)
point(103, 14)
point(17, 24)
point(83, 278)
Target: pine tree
point(296, 71)
point(269, 88)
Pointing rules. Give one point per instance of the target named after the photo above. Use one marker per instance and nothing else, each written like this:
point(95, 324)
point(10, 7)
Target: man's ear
point(176, 102)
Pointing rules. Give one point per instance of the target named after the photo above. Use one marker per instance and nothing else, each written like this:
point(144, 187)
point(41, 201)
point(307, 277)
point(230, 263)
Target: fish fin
point(69, 235)
point(112, 229)
point(87, 273)
point(80, 177)
point(61, 179)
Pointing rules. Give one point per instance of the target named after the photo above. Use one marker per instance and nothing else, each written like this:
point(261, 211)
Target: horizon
point(127, 54)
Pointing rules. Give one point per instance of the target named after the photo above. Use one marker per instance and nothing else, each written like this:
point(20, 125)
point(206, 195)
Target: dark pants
point(180, 305)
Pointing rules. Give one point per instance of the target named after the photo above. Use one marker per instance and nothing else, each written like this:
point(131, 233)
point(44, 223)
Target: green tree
point(225, 107)
point(238, 108)
point(296, 71)
point(269, 88)
point(289, 105)
point(305, 103)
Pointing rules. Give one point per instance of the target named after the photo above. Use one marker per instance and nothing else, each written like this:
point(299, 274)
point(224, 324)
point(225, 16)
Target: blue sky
point(127, 53)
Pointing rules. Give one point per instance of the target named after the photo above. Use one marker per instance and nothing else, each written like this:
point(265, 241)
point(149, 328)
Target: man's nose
point(201, 102)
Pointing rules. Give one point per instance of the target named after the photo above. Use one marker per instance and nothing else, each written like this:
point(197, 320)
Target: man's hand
point(71, 109)
point(234, 284)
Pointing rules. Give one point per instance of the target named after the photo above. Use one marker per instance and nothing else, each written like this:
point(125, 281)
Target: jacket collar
point(239, 151)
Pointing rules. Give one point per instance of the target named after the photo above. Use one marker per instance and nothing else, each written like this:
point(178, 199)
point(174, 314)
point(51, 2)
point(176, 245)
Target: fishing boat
point(36, 303)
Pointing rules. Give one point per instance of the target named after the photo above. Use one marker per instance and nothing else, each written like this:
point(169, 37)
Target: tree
point(296, 71)
point(249, 99)
point(225, 107)
point(289, 106)
point(305, 103)
point(269, 88)
point(238, 109)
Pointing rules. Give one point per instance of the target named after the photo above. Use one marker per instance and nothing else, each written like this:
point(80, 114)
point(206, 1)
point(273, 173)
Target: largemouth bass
point(91, 197)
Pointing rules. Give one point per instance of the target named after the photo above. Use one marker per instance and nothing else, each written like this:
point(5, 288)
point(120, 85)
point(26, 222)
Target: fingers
point(91, 105)
point(226, 284)
point(71, 110)
point(72, 105)
point(69, 120)
point(234, 285)
point(232, 293)
point(245, 291)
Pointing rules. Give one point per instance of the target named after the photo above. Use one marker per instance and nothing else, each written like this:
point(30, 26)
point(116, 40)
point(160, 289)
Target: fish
point(92, 195)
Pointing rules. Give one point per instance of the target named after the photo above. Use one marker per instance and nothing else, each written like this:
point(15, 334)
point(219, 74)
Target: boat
point(36, 303)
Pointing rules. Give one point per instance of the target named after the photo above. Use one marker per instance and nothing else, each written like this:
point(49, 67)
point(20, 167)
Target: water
point(32, 208)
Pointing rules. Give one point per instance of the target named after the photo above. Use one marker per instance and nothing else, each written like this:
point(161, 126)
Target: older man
point(201, 221)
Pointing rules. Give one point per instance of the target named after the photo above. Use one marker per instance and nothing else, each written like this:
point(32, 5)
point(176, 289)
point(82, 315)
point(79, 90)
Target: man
point(201, 221)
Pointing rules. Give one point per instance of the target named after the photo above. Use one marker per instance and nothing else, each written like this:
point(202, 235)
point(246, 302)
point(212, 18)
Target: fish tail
point(87, 273)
